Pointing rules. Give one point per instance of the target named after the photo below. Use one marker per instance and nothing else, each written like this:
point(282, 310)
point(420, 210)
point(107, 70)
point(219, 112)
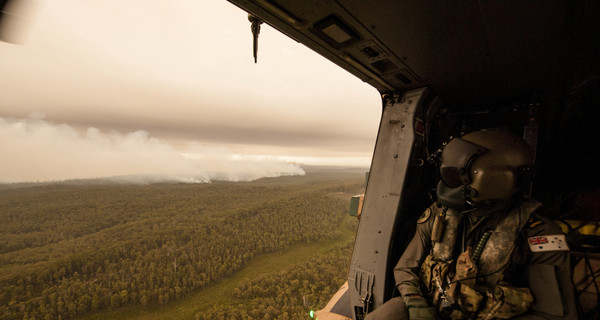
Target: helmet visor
point(452, 176)
point(456, 158)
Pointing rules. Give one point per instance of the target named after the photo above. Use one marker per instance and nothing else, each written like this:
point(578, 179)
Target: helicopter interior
point(530, 68)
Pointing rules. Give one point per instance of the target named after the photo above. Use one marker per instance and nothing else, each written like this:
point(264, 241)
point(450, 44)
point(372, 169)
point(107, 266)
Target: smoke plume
point(36, 150)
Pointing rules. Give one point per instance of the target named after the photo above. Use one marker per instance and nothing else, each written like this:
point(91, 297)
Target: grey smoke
point(34, 149)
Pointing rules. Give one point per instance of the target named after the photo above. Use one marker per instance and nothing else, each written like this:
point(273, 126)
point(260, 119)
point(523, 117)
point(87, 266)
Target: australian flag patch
point(555, 242)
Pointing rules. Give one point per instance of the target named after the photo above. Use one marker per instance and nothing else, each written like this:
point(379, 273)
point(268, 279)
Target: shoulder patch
point(553, 242)
point(425, 216)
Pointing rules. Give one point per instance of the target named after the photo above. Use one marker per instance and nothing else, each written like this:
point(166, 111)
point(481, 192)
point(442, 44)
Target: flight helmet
point(483, 167)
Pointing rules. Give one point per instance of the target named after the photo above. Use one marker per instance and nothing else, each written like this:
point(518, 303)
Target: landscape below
point(273, 248)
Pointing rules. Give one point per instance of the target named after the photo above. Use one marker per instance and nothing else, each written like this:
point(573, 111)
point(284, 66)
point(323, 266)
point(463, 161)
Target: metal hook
point(255, 28)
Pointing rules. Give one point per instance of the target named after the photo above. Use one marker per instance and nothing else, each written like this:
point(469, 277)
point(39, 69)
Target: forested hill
point(70, 250)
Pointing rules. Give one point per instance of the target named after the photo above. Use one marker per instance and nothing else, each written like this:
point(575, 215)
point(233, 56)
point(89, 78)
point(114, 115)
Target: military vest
point(457, 286)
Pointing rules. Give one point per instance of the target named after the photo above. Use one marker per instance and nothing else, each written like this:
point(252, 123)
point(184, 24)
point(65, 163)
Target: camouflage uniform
point(530, 285)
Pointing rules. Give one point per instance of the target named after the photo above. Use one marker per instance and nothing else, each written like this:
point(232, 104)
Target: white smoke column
point(33, 150)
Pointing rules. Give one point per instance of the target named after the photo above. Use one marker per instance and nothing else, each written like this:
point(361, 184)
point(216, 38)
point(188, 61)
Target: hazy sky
point(111, 87)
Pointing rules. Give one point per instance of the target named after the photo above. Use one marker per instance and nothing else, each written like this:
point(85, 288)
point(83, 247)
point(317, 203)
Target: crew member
point(483, 251)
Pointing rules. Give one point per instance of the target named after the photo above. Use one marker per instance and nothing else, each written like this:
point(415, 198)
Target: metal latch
point(364, 286)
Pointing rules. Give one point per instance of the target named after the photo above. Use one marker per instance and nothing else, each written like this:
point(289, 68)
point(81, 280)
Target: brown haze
point(99, 88)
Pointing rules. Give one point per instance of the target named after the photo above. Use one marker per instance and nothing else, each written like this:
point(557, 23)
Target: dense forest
point(67, 250)
point(287, 294)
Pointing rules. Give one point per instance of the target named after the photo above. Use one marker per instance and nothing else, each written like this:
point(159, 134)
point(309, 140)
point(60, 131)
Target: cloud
point(34, 149)
point(182, 71)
